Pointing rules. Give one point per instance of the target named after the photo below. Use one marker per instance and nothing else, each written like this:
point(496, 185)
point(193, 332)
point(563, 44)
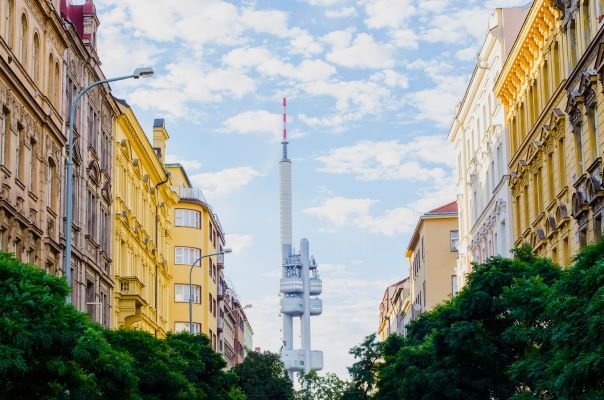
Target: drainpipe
point(157, 242)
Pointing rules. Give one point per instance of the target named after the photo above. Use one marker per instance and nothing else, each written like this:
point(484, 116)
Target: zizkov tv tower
point(300, 282)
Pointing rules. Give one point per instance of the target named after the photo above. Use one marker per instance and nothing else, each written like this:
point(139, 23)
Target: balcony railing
point(189, 193)
point(132, 286)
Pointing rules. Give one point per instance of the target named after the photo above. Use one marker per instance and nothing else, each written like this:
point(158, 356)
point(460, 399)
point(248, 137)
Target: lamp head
point(227, 250)
point(247, 306)
point(142, 72)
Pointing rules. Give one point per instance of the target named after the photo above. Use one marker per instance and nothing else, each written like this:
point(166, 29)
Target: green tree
point(263, 376)
point(316, 387)
point(566, 360)
point(465, 348)
point(49, 350)
point(364, 370)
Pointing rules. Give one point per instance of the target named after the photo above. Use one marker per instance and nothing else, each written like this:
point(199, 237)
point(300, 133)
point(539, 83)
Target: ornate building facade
point(142, 207)
point(550, 96)
point(31, 132)
point(395, 309)
point(92, 286)
point(477, 132)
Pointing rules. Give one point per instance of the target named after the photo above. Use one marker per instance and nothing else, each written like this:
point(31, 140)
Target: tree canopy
point(49, 350)
point(263, 376)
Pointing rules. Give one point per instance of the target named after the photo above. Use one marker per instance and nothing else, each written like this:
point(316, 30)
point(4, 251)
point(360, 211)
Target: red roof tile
point(447, 208)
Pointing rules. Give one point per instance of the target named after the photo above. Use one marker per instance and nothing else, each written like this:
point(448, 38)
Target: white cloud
point(404, 38)
point(457, 27)
point(220, 183)
point(271, 21)
point(344, 211)
point(259, 122)
point(390, 78)
point(425, 158)
point(467, 54)
point(343, 12)
point(325, 2)
point(267, 64)
point(238, 242)
point(339, 39)
point(304, 43)
point(190, 81)
point(189, 165)
point(388, 13)
point(364, 52)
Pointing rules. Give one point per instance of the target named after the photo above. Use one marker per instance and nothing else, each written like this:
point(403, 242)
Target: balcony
point(187, 193)
point(132, 288)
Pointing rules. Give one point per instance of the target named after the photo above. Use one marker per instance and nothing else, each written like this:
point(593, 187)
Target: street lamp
point(138, 73)
point(225, 251)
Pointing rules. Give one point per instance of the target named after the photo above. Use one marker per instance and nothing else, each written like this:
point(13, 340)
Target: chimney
point(160, 136)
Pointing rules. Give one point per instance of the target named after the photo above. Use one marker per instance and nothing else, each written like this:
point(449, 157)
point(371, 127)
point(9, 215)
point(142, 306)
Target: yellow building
point(432, 254)
point(550, 93)
point(395, 309)
point(197, 232)
point(142, 206)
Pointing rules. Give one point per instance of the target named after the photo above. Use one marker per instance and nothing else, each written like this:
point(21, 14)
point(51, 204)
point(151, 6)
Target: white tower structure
point(300, 282)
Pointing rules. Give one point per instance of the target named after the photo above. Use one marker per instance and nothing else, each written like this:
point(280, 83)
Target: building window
point(9, 22)
point(36, 59)
point(598, 227)
point(33, 166)
point(556, 61)
point(526, 208)
point(454, 288)
point(572, 43)
point(585, 21)
point(184, 327)
point(561, 164)
point(181, 293)
point(538, 191)
point(583, 237)
point(4, 135)
point(550, 176)
point(454, 240)
point(19, 154)
point(578, 131)
point(91, 211)
point(51, 185)
point(50, 83)
point(57, 85)
point(23, 41)
point(190, 218)
point(186, 255)
point(593, 131)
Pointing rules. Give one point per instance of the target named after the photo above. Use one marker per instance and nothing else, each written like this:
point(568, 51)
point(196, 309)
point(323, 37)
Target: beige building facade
point(31, 132)
point(432, 254)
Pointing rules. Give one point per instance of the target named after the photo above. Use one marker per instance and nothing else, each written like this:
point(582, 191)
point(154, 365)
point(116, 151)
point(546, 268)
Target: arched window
point(9, 16)
point(57, 84)
point(36, 59)
point(51, 178)
point(23, 41)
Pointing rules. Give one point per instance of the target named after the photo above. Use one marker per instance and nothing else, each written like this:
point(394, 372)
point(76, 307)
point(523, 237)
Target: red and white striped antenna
point(284, 142)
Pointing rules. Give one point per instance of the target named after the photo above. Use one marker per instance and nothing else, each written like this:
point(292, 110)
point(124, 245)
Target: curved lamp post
point(225, 251)
point(138, 73)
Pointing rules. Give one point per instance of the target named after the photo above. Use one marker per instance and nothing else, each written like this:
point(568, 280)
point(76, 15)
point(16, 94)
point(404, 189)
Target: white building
point(478, 134)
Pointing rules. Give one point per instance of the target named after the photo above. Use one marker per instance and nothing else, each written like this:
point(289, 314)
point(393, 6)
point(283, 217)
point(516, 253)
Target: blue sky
point(371, 88)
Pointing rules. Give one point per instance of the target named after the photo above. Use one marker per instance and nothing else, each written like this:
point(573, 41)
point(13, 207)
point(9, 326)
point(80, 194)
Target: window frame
point(196, 293)
point(176, 258)
point(188, 218)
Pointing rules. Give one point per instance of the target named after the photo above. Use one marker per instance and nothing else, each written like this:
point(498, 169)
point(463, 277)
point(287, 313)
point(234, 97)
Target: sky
point(371, 88)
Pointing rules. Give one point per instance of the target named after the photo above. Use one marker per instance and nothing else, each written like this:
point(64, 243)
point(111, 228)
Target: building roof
point(447, 208)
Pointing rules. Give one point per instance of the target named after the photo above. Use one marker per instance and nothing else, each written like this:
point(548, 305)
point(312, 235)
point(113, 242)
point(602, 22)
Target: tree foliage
point(263, 376)
point(522, 328)
point(49, 350)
